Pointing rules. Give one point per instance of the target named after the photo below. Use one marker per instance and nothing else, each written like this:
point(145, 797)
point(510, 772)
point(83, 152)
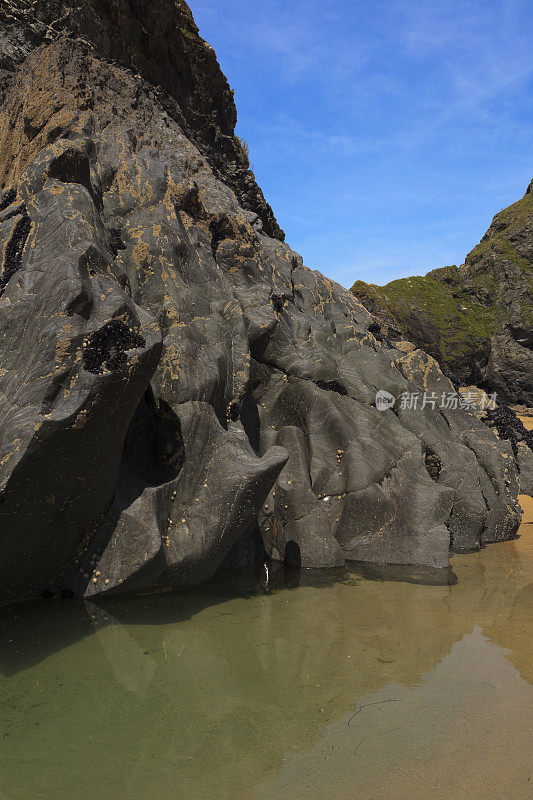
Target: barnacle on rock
point(106, 348)
point(509, 426)
point(14, 250)
point(7, 199)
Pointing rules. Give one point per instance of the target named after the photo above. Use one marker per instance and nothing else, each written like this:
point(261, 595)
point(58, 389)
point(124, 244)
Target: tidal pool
point(351, 688)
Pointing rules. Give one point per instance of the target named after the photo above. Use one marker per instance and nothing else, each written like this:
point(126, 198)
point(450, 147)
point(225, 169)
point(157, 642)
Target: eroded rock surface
point(177, 391)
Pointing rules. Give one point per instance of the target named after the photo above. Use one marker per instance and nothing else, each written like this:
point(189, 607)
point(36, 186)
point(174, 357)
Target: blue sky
point(384, 133)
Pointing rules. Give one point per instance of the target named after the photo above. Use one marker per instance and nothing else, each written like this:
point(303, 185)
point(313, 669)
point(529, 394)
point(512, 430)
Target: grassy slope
point(460, 305)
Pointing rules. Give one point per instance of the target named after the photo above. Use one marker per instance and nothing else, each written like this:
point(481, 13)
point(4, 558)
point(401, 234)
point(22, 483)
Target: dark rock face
point(511, 428)
point(177, 391)
point(477, 319)
point(155, 39)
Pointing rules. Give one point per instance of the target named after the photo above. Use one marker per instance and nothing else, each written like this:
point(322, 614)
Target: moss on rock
point(457, 313)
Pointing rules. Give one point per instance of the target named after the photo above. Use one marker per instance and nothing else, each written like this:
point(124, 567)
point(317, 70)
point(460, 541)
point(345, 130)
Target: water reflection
point(231, 693)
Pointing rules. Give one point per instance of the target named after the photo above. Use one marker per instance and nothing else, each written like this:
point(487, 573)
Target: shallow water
point(352, 688)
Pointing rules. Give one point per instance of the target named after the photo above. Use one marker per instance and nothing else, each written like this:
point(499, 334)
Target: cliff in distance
point(178, 393)
point(476, 319)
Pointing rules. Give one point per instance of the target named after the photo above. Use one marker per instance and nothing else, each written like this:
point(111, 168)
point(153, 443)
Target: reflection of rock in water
point(438, 739)
point(132, 667)
point(403, 572)
point(205, 693)
point(508, 597)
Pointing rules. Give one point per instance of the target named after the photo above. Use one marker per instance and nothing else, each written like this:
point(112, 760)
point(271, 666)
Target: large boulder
point(177, 391)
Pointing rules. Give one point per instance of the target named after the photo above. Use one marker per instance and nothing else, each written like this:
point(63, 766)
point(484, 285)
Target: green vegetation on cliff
point(451, 323)
point(475, 319)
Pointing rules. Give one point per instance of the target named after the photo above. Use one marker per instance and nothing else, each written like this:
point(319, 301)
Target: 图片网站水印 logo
point(413, 401)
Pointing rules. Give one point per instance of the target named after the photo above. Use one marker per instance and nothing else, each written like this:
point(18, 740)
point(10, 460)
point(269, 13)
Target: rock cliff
point(477, 319)
point(177, 391)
